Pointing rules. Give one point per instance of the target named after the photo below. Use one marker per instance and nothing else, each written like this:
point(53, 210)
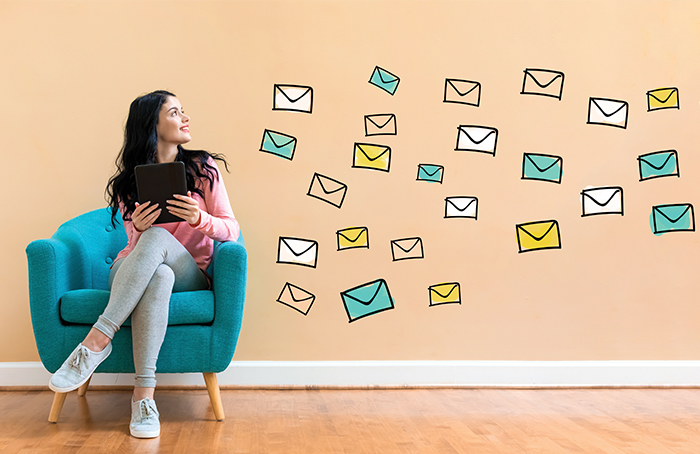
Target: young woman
point(157, 260)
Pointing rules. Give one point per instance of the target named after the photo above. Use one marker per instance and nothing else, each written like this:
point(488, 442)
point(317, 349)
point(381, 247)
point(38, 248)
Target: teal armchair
point(68, 290)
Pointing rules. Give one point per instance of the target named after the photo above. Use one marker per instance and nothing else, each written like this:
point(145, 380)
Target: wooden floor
point(365, 421)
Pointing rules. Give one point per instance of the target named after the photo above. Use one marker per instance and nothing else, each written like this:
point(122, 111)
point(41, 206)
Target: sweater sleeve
point(217, 220)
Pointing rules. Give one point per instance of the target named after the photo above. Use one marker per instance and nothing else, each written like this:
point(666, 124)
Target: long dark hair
point(140, 147)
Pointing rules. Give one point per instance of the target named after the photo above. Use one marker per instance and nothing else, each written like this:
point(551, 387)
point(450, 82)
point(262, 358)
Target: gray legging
point(141, 284)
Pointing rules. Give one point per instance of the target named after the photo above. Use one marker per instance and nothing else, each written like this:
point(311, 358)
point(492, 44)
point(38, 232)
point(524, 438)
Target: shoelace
point(79, 359)
point(148, 410)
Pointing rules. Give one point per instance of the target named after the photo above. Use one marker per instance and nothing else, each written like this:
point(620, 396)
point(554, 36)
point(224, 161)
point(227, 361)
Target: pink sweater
point(216, 223)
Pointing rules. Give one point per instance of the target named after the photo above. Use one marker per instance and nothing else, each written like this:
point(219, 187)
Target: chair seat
point(82, 307)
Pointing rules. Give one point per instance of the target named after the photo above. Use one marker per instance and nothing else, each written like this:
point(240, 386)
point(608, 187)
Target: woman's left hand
point(185, 207)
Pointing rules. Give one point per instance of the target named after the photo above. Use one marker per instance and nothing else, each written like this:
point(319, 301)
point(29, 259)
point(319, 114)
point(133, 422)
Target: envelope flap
point(430, 169)
point(672, 212)
point(469, 85)
point(376, 150)
point(334, 185)
point(405, 242)
point(287, 91)
point(279, 140)
point(349, 233)
point(365, 294)
point(444, 290)
point(299, 294)
point(657, 160)
point(538, 75)
point(543, 162)
point(477, 135)
point(662, 94)
point(456, 201)
point(535, 230)
point(601, 196)
point(608, 107)
point(371, 118)
point(298, 247)
point(385, 76)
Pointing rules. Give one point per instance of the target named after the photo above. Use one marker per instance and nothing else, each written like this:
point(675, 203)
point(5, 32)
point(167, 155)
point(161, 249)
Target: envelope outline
point(434, 289)
point(288, 288)
point(521, 227)
point(380, 128)
point(461, 130)
point(476, 86)
point(644, 163)
point(531, 157)
point(616, 190)
point(299, 253)
point(430, 176)
point(280, 87)
point(397, 244)
point(472, 200)
point(595, 101)
point(358, 148)
point(687, 208)
point(270, 134)
point(663, 102)
point(362, 230)
point(350, 295)
point(319, 178)
point(387, 81)
point(529, 72)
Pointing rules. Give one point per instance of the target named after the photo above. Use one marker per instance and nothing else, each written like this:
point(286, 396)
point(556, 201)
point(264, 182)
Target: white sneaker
point(144, 419)
point(78, 368)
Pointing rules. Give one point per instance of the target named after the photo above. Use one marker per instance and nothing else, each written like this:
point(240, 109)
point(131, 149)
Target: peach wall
point(613, 291)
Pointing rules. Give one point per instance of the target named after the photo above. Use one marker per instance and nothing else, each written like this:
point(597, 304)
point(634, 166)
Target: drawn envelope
point(461, 207)
point(380, 125)
point(663, 98)
point(543, 82)
point(372, 156)
point(608, 112)
point(673, 218)
point(327, 189)
point(295, 98)
point(542, 167)
point(477, 138)
point(297, 298)
point(534, 236)
point(367, 299)
point(446, 293)
point(279, 144)
point(297, 251)
point(406, 248)
point(603, 200)
point(461, 91)
point(385, 80)
point(658, 164)
point(430, 172)
point(353, 237)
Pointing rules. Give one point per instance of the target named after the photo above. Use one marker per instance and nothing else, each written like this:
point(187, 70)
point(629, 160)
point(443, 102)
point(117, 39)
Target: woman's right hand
point(144, 216)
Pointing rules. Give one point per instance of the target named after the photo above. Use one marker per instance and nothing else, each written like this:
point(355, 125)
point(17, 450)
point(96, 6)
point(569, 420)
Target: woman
point(157, 260)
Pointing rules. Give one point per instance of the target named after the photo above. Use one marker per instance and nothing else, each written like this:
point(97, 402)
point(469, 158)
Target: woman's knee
point(163, 276)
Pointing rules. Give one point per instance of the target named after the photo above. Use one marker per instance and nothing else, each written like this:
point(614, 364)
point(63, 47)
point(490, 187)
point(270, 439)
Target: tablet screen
point(157, 183)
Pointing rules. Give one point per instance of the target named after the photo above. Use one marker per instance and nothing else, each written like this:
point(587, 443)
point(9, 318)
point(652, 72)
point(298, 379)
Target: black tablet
point(157, 183)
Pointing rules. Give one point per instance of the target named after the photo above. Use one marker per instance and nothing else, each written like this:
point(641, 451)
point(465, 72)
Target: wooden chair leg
point(83, 389)
point(57, 406)
point(214, 395)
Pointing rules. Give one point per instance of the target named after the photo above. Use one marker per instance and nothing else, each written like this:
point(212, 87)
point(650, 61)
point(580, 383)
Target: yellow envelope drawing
point(297, 251)
point(380, 125)
point(533, 236)
point(445, 293)
point(663, 98)
point(327, 189)
point(372, 156)
point(353, 237)
point(295, 98)
point(461, 91)
point(297, 298)
point(407, 248)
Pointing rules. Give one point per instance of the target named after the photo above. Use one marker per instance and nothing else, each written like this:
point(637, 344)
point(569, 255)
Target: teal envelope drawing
point(279, 144)
point(542, 167)
point(367, 299)
point(430, 172)
point(658, 164)
point(385, 80)
point(672, 218)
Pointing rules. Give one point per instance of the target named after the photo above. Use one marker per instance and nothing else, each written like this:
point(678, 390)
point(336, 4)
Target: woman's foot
point(144, 419)
point(78, 368)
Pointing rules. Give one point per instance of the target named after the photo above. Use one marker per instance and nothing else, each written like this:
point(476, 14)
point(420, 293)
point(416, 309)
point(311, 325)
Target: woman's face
point(173, 125)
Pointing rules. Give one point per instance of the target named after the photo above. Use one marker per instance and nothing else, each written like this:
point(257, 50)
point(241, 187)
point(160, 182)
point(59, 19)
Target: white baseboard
point(405, 373)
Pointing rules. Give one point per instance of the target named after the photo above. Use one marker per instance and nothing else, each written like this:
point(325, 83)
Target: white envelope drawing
point(477, 138)
point(602, 200)
point(297, 98)
point(380, 125)
point(297, 251)
point(609, 112)
point(461, 207)
point(462, 92)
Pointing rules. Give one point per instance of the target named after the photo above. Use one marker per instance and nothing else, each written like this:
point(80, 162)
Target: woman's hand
point(145, 215)
point(185, 207)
